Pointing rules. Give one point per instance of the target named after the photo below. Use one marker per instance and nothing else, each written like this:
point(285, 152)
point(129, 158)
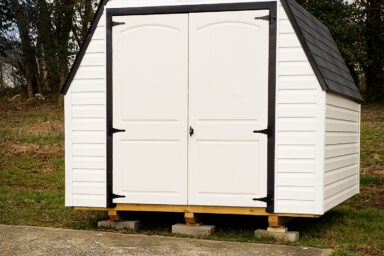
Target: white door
point(228, 100)
point(150, 102)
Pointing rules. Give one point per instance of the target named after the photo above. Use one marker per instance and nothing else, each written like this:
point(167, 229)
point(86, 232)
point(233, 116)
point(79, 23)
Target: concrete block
point(203, 230)
point(126, 224)
point(291, 236)
point(279, 229)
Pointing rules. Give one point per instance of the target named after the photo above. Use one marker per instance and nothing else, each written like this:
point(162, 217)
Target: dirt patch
point(379, 173)
point(364, 171)
point(51, 150)
point(372, 113)
point(370, 196)
point(40, 151)
point(17, 147)
point(41, 127)
point(48, 126)
point(368, 250)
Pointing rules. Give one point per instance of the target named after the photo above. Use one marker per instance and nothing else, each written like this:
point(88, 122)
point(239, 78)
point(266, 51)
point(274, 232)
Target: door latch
point(191, 131)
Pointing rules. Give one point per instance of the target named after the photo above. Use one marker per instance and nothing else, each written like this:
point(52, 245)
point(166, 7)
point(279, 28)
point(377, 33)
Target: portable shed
point(210, 106)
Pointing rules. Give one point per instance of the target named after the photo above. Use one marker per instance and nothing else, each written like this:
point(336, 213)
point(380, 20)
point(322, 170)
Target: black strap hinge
point(266, 17)
point(267, 199)
point(267, 131)
point(269, 18)
point(272, 19)
point(117, 196)
point(116, 23)
point(114, 130)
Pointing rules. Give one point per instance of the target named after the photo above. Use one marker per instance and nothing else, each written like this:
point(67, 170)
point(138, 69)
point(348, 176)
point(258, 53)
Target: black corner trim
point(271, 109)
point(83, 47)
point(109, 114)
point(271, 6)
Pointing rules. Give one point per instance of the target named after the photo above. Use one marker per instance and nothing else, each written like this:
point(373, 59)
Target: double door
point(188, 91)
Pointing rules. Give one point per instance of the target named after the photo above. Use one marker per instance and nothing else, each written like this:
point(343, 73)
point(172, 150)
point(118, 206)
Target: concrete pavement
point(33, 241)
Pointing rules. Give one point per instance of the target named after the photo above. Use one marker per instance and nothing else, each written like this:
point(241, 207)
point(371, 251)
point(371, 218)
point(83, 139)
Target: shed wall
point(300, 128)
point(342, 150)
point(85, 128)
point(300, 105)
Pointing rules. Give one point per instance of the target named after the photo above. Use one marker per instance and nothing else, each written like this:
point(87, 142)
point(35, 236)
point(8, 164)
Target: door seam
point(188, 107)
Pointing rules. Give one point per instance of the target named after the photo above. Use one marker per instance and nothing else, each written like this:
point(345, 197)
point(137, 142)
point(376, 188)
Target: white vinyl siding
point(85, 128)
point(299, 127)
point(342, 150)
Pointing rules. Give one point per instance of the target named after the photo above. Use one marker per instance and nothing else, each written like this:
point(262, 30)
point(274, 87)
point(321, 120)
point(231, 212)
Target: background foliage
point(358, 29)
point(39, 39)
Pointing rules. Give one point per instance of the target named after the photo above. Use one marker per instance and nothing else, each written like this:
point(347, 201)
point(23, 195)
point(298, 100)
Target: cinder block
point(278, 229)
point(203, 230)
point(126, 224)
point(291, 236)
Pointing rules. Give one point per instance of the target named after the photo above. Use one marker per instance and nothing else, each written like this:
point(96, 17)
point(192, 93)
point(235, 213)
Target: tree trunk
point(375, 55)
point(32, 78)
point(2, 85)
point(38, 84)
point(28, 79)
point(63, 29)
point(60, 98)
point(43, 79)
point(29, 52)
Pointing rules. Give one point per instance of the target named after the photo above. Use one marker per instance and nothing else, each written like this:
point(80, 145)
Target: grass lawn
point(32, 189)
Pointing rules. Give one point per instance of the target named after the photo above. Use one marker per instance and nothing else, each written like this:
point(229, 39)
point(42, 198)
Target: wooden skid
point(278, 221)
point(114, 215)
point(196, 209)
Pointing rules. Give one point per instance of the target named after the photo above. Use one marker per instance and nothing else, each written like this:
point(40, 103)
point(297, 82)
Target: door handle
point(191, 131)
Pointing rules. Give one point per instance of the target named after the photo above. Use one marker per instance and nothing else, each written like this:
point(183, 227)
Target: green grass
point(32, 171)
point(43, 208)
point(32, 190)
point(371, 180)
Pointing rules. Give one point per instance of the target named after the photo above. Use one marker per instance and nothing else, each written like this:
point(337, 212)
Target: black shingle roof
point(322, 52)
